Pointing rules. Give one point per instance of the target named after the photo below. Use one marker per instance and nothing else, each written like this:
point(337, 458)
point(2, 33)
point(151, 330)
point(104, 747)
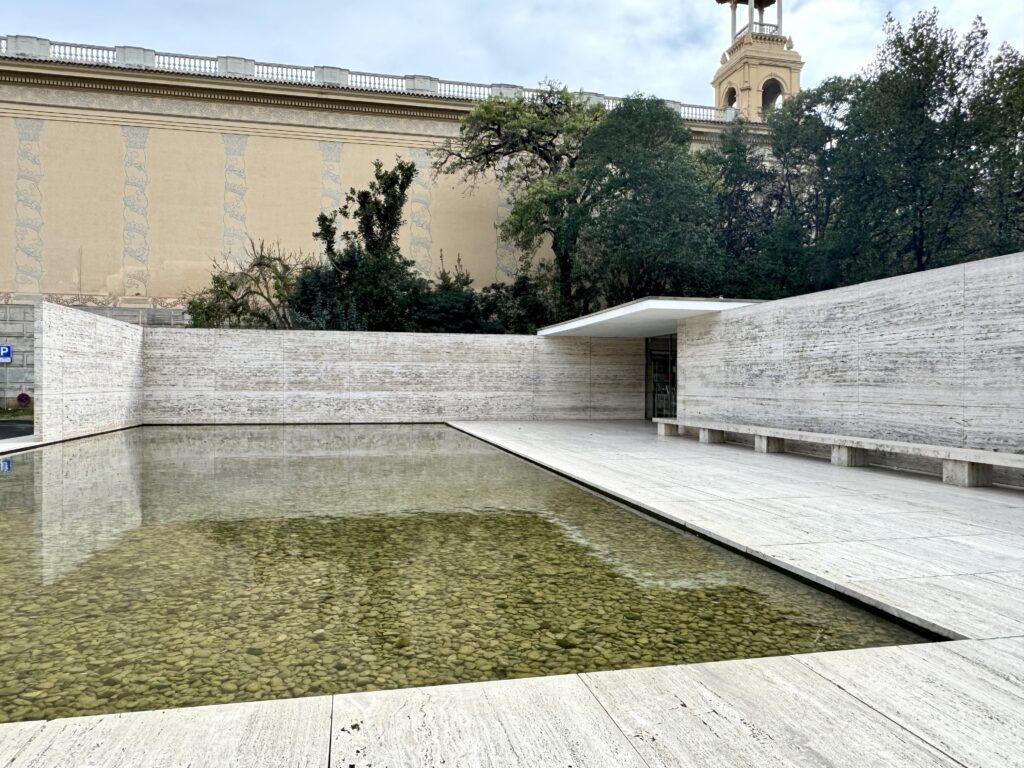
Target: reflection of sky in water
point(171, 566)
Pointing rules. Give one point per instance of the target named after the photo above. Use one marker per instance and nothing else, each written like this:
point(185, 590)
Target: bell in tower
point(759, 68)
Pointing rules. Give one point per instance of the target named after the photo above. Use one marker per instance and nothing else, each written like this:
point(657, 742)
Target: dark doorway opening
point(660, 377)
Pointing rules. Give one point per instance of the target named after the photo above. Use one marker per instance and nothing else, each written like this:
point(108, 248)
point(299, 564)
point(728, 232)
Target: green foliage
point(647, 225)
point(616, 194)
point(908, 159)
point(916, 163)
point(530, 146)
point(739, 174)
point(452, 306)
point(254, 295)
point(366, 284)
point(524, 305)
point(999, 120)
point(362, 283)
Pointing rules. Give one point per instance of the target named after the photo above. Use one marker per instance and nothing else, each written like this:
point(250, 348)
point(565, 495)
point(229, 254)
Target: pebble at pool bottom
point(167, 567)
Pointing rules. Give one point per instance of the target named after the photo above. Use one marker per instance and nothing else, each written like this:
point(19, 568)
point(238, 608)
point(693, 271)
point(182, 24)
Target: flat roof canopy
point(641, 318)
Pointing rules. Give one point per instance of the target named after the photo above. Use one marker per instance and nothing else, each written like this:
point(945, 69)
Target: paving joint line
point(610, 717)
point(883, 715)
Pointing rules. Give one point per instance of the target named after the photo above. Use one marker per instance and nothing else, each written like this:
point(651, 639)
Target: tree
point(646, 228)
point(452, 306)
point(742, 181)
point(254, 295)
point(367, 284)
point(908, 161)
point(522, 306)
point(806, 134)
point(999, 119)
point(529, 143)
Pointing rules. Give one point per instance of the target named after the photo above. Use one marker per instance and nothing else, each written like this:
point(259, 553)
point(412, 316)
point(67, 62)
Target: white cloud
point(667, 47)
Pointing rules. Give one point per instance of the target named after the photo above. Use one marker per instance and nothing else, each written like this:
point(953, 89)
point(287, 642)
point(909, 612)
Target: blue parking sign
point(6, 465)
point(5, 353)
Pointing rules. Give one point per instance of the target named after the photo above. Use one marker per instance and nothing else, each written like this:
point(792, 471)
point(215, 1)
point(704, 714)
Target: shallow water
point(164, 567)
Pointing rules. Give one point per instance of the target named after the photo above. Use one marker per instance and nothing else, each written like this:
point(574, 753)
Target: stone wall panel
point(252, 377)
point(89, 374)
point(935, 357)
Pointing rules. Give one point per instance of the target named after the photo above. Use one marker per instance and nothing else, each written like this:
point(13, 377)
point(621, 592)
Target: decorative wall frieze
point(420, 196)
point(236, 236)
point(330, 175)
point(508, 257)
point(135, 229)
point(28, 207)
point(98, 300)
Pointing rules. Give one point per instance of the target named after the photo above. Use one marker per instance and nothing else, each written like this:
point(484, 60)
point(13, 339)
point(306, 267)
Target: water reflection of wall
point(86, 496)
point(273, 471)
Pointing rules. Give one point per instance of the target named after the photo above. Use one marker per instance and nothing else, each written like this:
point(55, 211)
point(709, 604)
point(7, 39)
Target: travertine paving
point(947, 558)
point(947, 704)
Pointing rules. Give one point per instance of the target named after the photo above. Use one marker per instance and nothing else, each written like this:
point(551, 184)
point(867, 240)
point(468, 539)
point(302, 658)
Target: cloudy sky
point(666, 47)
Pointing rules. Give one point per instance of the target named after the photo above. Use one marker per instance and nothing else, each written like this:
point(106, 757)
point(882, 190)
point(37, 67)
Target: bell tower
point(759, 68)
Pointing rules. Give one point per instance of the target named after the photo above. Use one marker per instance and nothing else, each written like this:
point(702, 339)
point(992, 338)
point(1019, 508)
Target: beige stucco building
point(128, 172)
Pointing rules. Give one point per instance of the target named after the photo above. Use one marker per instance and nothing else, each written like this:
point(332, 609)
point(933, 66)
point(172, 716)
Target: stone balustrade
point(131, 57)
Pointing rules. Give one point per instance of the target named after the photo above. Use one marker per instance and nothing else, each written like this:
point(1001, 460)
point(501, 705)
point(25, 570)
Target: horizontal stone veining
point(88, 372)
point(222, 376)
point(935, 357)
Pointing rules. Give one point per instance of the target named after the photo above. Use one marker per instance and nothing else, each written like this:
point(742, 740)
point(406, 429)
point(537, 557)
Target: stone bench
point(967, 467)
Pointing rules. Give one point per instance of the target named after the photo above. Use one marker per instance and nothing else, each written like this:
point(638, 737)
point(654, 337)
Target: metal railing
point(213, 66)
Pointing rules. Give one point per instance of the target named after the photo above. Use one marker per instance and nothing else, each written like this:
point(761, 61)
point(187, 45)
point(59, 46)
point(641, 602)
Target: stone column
point(732, 7)
point(750, 16)
point(778, 20)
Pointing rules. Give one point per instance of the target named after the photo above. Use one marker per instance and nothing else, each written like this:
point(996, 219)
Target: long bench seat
point(967, 467)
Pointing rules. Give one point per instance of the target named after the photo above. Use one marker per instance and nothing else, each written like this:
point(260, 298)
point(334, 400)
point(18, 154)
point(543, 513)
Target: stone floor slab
point(761, 712)
point(550, 721)
point(14, 737)
point(964, 707)
point(289, 733)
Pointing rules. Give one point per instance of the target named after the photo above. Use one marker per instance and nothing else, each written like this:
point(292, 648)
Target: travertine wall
point(195, 376)
point(934, 357)
point(88, 372)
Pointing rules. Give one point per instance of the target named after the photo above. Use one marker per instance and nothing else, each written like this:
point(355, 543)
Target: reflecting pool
point(166, 566)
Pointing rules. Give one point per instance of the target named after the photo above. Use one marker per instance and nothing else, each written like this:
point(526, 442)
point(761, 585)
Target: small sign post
point(6, 353)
